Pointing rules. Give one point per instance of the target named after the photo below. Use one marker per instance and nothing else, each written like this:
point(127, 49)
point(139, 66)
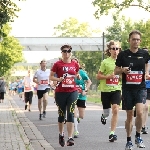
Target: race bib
point(68, 82)
point(44, 82)
point(134, 77)
point(79, 88)
point(113, 82)
point(27, 88)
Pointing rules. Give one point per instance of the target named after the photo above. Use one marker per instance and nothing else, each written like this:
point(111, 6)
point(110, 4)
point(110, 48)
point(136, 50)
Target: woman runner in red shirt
point(66, 92)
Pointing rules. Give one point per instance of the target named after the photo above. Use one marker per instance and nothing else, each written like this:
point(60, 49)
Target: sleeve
point(84, 75)
point(35, 75)
point(147, 57)
point(77, 67)
point(119, 60)
point(54, 68)
point(102, 67)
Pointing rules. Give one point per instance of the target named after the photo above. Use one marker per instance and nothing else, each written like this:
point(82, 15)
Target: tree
point(144, 28)
point(104, 6)
point(10, 51)
point(8, 11)
point(121, 28)
point(72, 28)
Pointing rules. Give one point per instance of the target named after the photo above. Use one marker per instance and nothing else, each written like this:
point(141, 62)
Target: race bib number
point(44, 82)
point(68, 82)
point(134, 77)
point(79, 88)
point(113, 82)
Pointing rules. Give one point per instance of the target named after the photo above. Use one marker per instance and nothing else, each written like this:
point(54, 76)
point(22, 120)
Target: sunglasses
point(115, 48)
point(66, 51)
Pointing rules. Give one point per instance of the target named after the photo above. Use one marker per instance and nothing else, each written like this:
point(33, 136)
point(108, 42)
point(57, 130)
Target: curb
point(31, 136)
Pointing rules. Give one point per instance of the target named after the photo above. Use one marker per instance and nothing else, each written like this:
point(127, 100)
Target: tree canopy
point(8, 10)
point(10, 51)
point(104, 6)
point(121, 28)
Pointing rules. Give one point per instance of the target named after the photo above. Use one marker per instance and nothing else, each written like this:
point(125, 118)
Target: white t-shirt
point(43, 79)
point(28, 84)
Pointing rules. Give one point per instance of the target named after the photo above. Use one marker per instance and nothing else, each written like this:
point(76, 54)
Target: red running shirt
point(71, 69)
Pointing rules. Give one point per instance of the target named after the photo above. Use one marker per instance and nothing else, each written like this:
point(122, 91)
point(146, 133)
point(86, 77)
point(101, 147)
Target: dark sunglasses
point(66, 51)
point(115, 48)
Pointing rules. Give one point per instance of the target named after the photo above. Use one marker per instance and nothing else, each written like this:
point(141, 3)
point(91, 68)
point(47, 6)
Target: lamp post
point(103, 41)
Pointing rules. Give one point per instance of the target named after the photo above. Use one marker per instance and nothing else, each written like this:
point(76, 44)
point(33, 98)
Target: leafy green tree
point(144, 28)
point(72, 28)
point(120, 30)
point(10, 51)
point(8, 10)
point(105, 6)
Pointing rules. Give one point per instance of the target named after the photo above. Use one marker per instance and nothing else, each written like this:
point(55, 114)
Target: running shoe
point(139, 142)
point(70, 142)
point(103, 120)
point(112, 138)
point(129, 145)
point(40, 116)
point(61, 140)
point(144, 131)
point(44, 114)
point(76, 134)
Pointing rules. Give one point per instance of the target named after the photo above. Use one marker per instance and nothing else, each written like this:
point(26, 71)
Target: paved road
point(93, 135)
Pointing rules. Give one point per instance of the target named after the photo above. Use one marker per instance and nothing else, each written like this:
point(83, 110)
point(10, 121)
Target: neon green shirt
point(107, 67)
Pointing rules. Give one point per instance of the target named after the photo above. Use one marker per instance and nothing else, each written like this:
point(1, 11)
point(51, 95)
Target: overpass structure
point(54, 43)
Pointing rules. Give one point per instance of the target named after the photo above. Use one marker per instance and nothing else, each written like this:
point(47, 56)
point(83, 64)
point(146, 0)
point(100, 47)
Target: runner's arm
point(101, 76)
point(53, 78)
point(88, 84)
point(35, 80)
point(147, 71)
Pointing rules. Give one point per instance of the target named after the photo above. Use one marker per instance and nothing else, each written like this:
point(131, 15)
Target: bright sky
point(37, 18)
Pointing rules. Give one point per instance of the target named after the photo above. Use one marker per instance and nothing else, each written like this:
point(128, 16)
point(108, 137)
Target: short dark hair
point(134, 32)
point(66, 46)
point(42, 61)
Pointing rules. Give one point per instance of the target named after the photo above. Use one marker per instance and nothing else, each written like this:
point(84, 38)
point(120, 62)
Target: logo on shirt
point(66, 69)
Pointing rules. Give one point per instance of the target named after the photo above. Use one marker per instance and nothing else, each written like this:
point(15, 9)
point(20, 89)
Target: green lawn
point(94, 99)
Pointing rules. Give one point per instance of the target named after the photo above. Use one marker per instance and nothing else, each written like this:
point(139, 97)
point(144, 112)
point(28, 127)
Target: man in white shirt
point(28, 90)
point(41, 78)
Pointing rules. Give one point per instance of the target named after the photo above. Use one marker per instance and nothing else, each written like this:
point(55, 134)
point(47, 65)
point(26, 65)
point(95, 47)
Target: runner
point(66, 92)
point(28, 91)
point(20, 84)
point(2, 89)
point(110, 87)
point(41, 78)
point(147, 103)
point(132, 64)
point(84, 85)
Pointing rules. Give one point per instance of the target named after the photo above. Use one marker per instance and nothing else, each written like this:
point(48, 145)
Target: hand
point(84, 93)
point(78, 77)
point(126, 70)
point(60, 79)
point(110, 76)
point(147, 77)
point(38, 83)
